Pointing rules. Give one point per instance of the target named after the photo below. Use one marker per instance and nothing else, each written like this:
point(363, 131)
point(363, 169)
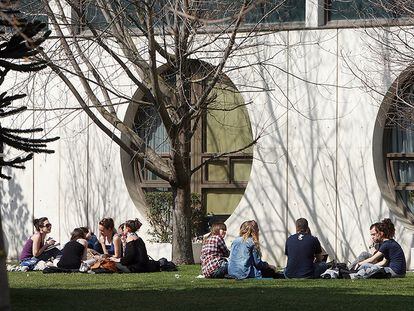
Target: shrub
point(160, 215)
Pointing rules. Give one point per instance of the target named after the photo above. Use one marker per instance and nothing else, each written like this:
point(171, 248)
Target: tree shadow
point(15, 215)
point(317, 174)
point(260, 297)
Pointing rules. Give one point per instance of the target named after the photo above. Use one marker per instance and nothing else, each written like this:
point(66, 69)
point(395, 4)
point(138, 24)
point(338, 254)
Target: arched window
point(225, 127)
point(399, 146)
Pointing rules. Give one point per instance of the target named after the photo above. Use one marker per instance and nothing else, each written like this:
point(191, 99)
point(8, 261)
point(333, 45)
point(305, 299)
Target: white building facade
point(326, 151)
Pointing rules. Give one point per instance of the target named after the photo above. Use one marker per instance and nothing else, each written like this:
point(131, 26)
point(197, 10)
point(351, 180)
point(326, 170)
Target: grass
point(182, 291)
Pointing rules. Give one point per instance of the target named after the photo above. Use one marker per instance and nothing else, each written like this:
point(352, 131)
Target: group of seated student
point(244, 258)
point(124, 247)
point(305, 256)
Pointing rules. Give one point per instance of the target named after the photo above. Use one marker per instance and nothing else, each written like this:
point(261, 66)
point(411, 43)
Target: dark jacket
point(136, 257)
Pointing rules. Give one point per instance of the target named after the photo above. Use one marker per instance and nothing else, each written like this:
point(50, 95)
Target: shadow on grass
point(253, 298)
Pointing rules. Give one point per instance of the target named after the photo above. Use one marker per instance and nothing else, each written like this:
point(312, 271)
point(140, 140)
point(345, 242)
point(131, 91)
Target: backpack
point(153, 265)
point(166, 265)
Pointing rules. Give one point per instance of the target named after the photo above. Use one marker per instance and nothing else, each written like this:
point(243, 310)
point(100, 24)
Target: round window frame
point(131, 177)
point(381, 145)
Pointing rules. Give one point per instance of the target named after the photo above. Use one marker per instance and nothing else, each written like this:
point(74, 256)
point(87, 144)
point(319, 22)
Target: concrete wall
point(315, 158)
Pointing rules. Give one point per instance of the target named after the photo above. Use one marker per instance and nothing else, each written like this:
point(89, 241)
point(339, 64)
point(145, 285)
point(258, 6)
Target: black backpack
point(166, 265)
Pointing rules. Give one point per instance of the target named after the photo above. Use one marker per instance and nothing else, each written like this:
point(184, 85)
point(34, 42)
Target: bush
point(160, 215)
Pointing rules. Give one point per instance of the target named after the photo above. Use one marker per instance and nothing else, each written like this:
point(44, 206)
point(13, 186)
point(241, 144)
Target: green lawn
point(182, 291)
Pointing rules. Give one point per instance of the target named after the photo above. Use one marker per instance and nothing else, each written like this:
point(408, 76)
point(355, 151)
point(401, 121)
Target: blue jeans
point(368, 268)
point(29, 262)
point(318, 269)
point(221, 271)
point(45, 256)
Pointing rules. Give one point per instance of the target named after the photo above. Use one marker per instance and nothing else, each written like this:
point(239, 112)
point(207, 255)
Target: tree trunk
point(4, 284)
point(182, 251)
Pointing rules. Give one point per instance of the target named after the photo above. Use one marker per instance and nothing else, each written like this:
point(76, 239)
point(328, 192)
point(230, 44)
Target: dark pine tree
point(19, 44)
point(23, 45)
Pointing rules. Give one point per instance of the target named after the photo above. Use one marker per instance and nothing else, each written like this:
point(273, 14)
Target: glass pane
point(218, 171)
point(270, 11)
point(277, 12)
point(362, 9)
point(149, 127)
point(404, 171)
point(403, 139)
point(94, 13)
point(228, 125)
point(33, 10)
point(241, 170)
point(223, 202)
point(407, 196)
point(94, 16)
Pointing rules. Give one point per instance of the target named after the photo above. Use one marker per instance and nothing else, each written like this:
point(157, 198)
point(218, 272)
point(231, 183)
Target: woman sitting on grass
point(393, 258)
point(214, 252)
point(37, 247)
point(109, 239)
point(245, 257)
point(136, 257)
point(74, 251)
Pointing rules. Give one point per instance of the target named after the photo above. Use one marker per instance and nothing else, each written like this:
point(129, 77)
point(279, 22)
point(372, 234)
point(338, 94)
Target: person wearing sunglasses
point(37, 247)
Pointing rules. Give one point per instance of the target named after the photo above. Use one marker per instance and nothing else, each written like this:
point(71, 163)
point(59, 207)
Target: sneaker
point(41, 265)
point(83, 267)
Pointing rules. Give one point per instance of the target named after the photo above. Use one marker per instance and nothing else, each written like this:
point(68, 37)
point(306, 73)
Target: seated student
point(245, 256)
point(108, 238)
point(122, 235)
point(304, 253)
point(373, 248)
point(214, 252)
point(74, 252)
point(393, 256)
point(136, 257)
point(37, 247)
point(90, 237)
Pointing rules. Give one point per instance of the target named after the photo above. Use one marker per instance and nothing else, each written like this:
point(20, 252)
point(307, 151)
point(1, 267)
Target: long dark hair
point(107, 223)
point(133, 224)
point(77, 233)
point(387, 228)
point(38, 222)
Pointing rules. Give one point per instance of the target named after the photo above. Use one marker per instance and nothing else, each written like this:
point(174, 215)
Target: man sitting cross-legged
point(304, 253)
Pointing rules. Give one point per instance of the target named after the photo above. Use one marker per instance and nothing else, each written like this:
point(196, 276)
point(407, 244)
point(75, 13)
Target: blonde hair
point(250, 229)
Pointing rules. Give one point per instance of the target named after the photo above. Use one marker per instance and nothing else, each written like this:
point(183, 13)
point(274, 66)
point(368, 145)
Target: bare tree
point(19, 45)
point(192, 40)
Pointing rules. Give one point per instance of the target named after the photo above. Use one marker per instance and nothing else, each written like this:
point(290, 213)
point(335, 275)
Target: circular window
point(222, 129)
point(398, 144)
